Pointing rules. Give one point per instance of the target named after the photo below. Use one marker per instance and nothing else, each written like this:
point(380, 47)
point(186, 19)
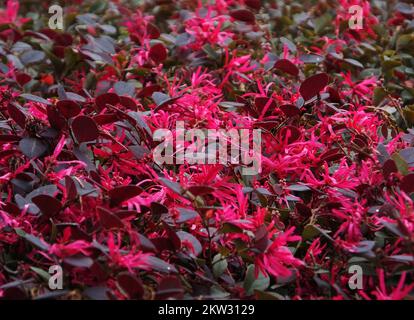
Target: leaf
point(400, 163)
point(32, 147)
point(289, 110)
point(42, 273)
point(123, 88)
point(120, 194)
point(243, 15)
point(106, 98)
point(219, 265)
point(186, 215)
point(291, 132)
point(48, 205)
point(251, 283)
point(389, 167)
point(311, 58)
point(108, 219)
point(71, 190)
point(402, 258)
point(174, 186)
point(379, 95)
point(158, 53)
point(407, 183)
point(79, 261)
point(158, 208)
point(313, 85)
point(22, 78)
point(130, 285)
point(354, 63)
point(32, 56)
point(160, 98)
point(160, 265)
point(68, 108)
point(201, 190)
point(17, 115)
point(287, 66)
point(153, 31)
point(170, 288)
point(254, 4)
point(309, 232)
point(41, 244)
point(291, 46)
point(84, 129)
point(189, 238)
point(34, 98)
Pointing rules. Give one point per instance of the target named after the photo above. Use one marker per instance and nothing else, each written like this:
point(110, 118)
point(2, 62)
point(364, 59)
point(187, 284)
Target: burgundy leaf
point(313, 85)
point(17, 115)
point(287, 66)
point(243, 15)
point(48, 205)
point(158, 53)
point(106, 98)
point(68, 108)
point(130, 285)
point(84, 129)
point(108, 219)
point(123, 193)
point(407, 183)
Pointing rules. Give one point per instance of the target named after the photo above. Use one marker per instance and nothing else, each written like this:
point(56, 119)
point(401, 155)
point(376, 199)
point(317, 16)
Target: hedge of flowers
point(79, 187)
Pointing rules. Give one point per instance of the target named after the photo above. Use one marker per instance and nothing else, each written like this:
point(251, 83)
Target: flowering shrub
point(80, 188)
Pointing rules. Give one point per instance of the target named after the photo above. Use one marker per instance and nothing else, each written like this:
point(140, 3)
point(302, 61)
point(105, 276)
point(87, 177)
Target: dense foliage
point(79, 187)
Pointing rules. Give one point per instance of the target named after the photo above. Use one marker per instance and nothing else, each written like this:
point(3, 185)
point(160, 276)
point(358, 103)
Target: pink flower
point(277, 258)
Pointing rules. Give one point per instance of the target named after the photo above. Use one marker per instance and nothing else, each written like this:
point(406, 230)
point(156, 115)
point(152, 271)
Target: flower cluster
point(79, 186)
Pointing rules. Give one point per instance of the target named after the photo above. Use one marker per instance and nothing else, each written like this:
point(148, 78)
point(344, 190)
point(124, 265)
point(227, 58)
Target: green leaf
point(42, 273)
point(309, 232)
point(219, 265)
point(401, 163)
point(251, 283)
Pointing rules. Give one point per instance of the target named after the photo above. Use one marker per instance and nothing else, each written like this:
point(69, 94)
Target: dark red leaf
point(287, 66)
point(261, 103)
point(158, 53)
point(84, 129)
point(108, 219)
point(200, 190)
point(68, 108)
point(48, 205)
point(106, 98)
point(23, 78)
point(56, 120)
point(153, 31)
point(407, 183)
point(148, 91)
point(123, 193)
point(313, 85)
point(289, 110)
point(170, 288)
point(17, 115)
point(389, 167)
point(130, 285)
point(128, 102)
point(243, 15)
point(292, 132)
point(71, 191)
point(254, 4)
point(158, 208)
